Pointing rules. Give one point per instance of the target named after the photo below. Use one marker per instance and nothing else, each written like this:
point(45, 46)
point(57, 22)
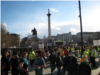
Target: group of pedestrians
point(60, 57)
point(11, 61)
point(65, 61)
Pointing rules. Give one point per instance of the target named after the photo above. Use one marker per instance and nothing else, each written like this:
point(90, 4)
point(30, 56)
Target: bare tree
point(3, 34)
point(7, 39)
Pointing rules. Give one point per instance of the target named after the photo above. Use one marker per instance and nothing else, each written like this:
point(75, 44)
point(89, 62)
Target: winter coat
point(52, 59)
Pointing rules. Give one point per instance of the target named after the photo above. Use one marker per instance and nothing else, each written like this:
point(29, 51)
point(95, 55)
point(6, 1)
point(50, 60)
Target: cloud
point(54, 10)
point(92, 18)
point(27, 28)
point(73, 29)
point(5, 24)
point(57, 28)
point(90, 22)
point(64, 23)
point(42, 28)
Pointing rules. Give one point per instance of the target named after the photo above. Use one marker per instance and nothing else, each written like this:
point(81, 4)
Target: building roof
point(14, 34)
point(86, 32)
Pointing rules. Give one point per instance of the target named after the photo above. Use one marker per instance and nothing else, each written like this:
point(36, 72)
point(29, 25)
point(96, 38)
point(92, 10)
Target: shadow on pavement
point(97, 66)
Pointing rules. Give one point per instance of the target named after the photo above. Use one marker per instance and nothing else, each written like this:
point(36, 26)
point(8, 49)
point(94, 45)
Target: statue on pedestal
point(34, 39)
point(34, 31)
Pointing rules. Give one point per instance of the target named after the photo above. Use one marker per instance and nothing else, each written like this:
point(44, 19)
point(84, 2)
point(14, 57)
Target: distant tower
point(49, 27)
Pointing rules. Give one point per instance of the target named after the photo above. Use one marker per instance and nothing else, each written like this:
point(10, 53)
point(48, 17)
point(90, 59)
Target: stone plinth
point(34, 42)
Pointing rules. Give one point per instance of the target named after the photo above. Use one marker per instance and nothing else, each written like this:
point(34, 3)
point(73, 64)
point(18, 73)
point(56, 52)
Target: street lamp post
point(81, 26)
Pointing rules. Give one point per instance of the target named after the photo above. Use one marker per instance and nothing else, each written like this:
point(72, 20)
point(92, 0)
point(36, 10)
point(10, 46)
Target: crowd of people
point(60, 57)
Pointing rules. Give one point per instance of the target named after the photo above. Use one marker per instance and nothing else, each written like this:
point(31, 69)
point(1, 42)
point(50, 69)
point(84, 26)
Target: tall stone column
point(49, 27)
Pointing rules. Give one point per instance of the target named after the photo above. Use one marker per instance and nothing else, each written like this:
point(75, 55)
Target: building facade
point(17, 36)
point(88, 36)
point(67, 37)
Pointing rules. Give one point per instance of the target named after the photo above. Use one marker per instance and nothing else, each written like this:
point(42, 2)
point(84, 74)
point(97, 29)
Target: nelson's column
point(49, 27)
point(49, 39)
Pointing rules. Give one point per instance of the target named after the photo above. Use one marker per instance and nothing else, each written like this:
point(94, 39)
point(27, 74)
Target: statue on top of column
point(48, 11)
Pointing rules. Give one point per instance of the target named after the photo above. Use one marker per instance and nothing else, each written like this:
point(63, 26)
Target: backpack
point(85, 68)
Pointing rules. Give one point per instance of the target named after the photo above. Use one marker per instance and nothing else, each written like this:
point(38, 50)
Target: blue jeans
point(59, 71)
point(53, 66)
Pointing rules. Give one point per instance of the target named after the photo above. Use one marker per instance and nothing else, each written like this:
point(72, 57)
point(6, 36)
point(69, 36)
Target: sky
point(21, 17)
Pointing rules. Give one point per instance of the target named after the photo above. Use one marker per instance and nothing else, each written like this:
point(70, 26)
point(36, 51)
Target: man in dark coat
point(72, 66)
point(5, 60)
point(66, 60)
point(52, 59)
point(84, 69)
point(15, 64)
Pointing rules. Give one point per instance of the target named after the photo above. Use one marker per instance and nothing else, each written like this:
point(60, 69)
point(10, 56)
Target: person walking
point(15, 64)
point(72, 67)
point(93, 56)
point(39, 64)
point(52, 59)
point(84, 67)
point(43, 53)
point(24, 64)
point(32, 57)
point(73, 49)
point(98, 49)
point(47, 54)
point(61, 53)
point(65, 52)
point(66, 60)
point(86, 53)
point(2, 66)
point(5, 61)
point(59, 64)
